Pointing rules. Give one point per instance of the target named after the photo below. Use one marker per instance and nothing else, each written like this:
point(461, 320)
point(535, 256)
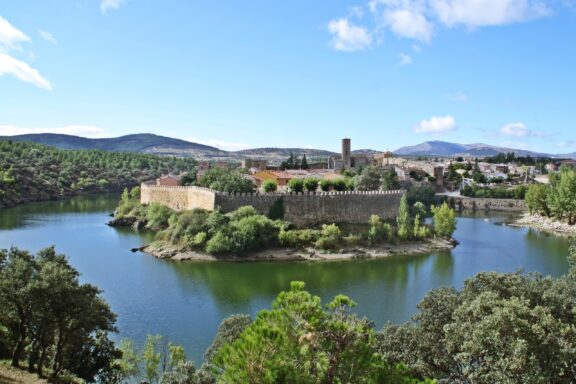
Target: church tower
point(346, 153)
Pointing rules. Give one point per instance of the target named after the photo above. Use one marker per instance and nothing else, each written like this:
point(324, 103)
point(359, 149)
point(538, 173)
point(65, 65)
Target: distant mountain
point(161, 145)
point(143, 143)
point(277, 155)
point(443, 148)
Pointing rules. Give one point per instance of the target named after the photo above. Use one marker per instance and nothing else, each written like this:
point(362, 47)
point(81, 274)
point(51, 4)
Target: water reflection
point(186, 301)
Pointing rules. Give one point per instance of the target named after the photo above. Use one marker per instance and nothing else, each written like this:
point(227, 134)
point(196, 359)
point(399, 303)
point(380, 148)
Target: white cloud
point(106, 5)
point(21, 70)
point(516, 130)
point(76, 130)
point(47, 36)
point(416, 48)
point(221, 144)
point(475, 13)
point(347, 36)
point(436, 125)
point(405, 59)
point(420, 19)
point(408, 23)
point(10, 37)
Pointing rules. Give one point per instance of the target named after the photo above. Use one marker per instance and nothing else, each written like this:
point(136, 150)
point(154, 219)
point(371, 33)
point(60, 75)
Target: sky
point(300, 73)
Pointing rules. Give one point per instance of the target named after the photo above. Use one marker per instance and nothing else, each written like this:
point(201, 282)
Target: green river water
point(185, 301)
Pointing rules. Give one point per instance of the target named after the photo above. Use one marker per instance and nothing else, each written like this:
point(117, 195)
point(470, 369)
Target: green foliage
point(330, 237)
point(311, 184)
point(419, 209)
point(226, 180)
point(296, 185)
point(276, 211)
point(500, 328)
point(151, 357)
point(368, 180)
point(390, 181)
point(421, 231)
point(229, 331)
point(297, 341)
point(325, 185)
point(561, 198)
point(269, 186)
point(536, 199)
point(30, 172)
point(378, 231)
point(404, 220)
point(444, 220)
point(298, 237)
point(304, 163)
point(343, 184)
point(474, 190)
point(52, 320)
point(188, 178)
point(129, 201)
point(425, 194)
point(157, 216)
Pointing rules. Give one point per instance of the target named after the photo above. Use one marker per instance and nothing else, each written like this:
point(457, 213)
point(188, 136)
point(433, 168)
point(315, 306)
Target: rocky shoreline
point(544, 224)
point(171, 252)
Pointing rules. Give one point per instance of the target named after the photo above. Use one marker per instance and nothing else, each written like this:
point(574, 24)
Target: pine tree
point(304, 163)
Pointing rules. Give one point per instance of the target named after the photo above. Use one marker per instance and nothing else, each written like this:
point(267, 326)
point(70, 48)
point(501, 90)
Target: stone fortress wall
point(487, 204)
point(301, 209)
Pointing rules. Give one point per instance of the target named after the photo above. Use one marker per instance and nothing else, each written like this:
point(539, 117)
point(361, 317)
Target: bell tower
point(346, 153)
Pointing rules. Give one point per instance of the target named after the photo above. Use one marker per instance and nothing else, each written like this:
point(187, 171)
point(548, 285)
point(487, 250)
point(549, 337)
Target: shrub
point(269, 186)
point(325, 185)
point(157, 216)
point(311, 184)
point(296, 185)
point(444, 220)
point(342, 184)
point(298, 237)
point(329, 238)
point(242, 212)
point(378, 231)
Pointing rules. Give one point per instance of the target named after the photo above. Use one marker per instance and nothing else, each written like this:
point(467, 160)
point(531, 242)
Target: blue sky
point(244, 74)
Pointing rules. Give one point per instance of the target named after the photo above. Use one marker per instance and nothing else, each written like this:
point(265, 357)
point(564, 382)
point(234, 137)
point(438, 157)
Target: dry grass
point(9, 375)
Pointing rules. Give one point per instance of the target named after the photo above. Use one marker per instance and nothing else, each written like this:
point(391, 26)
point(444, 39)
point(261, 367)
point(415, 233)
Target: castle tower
point(346, 153)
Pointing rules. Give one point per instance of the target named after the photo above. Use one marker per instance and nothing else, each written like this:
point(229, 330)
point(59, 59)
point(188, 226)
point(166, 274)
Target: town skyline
point(387, 73)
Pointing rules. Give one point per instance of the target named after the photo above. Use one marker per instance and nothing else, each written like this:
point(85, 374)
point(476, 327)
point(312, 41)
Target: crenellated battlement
point(307, 208)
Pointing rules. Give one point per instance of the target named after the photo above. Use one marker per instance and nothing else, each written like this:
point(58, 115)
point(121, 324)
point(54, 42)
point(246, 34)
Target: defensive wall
point(482, 204)
point(302, 209)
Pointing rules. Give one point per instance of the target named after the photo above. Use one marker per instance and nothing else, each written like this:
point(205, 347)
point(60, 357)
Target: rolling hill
point(161, 145)
point(443, 148)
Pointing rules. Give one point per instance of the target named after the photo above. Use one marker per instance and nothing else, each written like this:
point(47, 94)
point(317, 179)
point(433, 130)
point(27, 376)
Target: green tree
point(325, 185)
point(304, 163)
point(561, 198)
point(536, 199)
point(311, 184)
point(53, 320)
point(296, 185)
point(296, 341)
point(444, 220)
point(226, 180)
point(269, 186)
point(390, 181)
point(404, 220)
point(368, 180)
point(500, 328)
point(152, 357)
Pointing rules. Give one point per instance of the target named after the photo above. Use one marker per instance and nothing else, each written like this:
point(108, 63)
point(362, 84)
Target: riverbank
point(171, 252)
point(544, 224)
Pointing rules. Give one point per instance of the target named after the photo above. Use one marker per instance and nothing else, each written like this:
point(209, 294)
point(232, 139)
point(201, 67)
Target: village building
point(168, 180)
point(346, 160)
